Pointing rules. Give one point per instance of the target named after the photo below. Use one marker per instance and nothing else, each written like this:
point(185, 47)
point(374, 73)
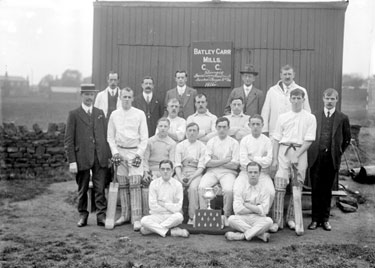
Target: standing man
point(294, 133)
point(253, 98)
point(332, 138)
point(108, 100)
point(150, 104)
point(190, 157)
point(251, 204)
point(159, 146)
point(222, 159)
point(127, 138)
point(87, 149)
point(257, 147)
point(205, 120)
point(165, 201)
point(239, 122)
point(277, 99)
point(184, 94)
point(177, 126)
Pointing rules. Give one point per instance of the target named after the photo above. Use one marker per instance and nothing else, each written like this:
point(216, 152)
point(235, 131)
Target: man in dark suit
point(184, 94)
point(324, 157)
point(150, 104)
point(253, 97)
point(87, 149)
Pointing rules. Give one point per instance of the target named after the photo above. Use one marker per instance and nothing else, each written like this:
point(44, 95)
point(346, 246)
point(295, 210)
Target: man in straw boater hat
point(87, 149)
point(127, 138)
point(294, 133)
point(252, 97)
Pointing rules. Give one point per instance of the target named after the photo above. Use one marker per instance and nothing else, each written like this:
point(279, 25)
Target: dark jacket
point(80, 144)
point(252, 105)
point(187, 106)
point(156, 111)
point(340, 138)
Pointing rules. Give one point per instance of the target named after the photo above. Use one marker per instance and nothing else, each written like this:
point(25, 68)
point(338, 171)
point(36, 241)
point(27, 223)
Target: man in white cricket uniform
point(165, 201)
point(222, 160)
point(190, 157)
point(277, 99)
point(239, 122)
point(205, 120)
point(294, 133)
point(257, 147)
point(177, 126)
point(251, 204)
point(127, 138)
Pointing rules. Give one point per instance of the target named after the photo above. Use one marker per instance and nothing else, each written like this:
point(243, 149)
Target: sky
point(41, 37)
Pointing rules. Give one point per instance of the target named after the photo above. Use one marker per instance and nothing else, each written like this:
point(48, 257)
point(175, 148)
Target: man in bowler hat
point(253, 98)
point(87, 149)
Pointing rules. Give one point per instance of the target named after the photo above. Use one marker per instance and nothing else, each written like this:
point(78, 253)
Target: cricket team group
point(262, 144)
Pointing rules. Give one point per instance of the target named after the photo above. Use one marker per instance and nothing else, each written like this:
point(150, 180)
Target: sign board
point(211, 64)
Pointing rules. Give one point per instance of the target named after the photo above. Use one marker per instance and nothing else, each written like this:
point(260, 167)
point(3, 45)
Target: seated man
point(190, 156)
point(159, 146)
point(177, 126)
point(204, 119)
point(222, 159)
point(257, 147)
point(251, 204)
point(165, 201)
point(239, 121)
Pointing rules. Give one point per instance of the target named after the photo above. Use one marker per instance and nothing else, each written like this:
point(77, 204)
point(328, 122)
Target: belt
point(129, 148)
point(291, 145)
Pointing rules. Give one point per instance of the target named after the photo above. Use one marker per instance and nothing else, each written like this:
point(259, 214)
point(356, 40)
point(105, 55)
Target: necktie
point(148, 99)
point(328, 114)
point(88, 112)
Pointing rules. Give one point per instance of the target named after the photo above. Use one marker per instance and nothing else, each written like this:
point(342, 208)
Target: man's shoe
point(291, 225)
point(327, 226)
point(100, 222)
point(82, 222)
point(137, 226)
point(234, 236)
point(145, 231)
point(274, 228)
point(120, 221)
point(179, 232)
point(265, 237)
point(313, 225)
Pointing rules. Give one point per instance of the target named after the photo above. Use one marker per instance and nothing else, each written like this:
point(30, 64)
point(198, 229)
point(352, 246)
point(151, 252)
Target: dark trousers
point(322, 176)
point(98, 180)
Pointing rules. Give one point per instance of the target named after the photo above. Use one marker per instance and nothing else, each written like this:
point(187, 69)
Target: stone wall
point(29, 153)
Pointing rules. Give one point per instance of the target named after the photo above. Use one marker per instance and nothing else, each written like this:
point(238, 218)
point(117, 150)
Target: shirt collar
point(181, 89)
point(239, 115)
point(206, 113)
point(145, 95)
point(86, 108)
point(331, 112)
point(248, 87)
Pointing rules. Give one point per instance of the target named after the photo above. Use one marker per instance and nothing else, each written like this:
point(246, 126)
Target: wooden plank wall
point(138, 39)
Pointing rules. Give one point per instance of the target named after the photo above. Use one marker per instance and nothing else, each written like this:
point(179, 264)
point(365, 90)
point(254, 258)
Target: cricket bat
point(297, 195)
point(112, 202)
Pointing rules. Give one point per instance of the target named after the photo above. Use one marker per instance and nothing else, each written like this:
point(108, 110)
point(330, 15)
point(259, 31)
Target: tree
point(45, 83)
point(352, 80)
point(71, 78)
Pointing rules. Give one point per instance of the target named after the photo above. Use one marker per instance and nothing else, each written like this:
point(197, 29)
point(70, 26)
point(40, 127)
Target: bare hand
point(73, 168)
point(274, 166)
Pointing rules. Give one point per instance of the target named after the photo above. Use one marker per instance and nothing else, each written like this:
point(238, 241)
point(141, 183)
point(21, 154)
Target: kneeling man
point(251, 204)
point(165, 201)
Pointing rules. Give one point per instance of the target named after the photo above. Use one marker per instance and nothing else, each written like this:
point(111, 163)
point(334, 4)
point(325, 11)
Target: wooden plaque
point(208, 219)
